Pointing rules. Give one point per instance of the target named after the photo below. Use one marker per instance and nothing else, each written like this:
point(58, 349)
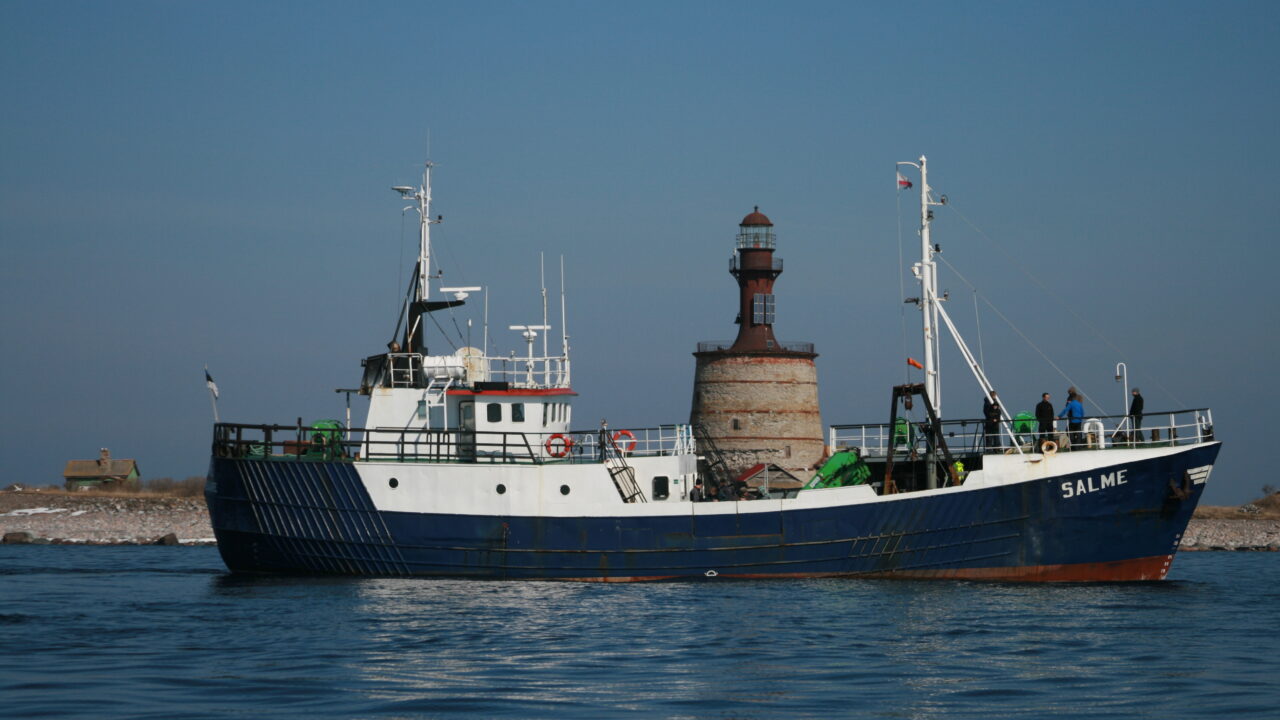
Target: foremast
point(926, 271)
point(930, 303)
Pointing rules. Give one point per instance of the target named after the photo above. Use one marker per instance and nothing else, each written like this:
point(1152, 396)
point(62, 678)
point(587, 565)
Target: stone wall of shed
point(773, 397)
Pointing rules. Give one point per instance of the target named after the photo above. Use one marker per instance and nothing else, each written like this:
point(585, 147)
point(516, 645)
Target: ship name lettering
point(1087, 485)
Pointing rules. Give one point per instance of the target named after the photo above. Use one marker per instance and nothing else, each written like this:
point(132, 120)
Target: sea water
point(166, 632)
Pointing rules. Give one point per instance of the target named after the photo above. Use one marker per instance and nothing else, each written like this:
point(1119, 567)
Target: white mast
point(424, 245)
point(542, 281)
point(929, 282)
point(564, 329)
point(422, 196)
point(926, 271)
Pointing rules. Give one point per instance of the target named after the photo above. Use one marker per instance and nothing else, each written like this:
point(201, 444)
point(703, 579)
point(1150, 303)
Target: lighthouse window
point(737, 424)
point(517, 412)
point(762, 309)
point(494, 412)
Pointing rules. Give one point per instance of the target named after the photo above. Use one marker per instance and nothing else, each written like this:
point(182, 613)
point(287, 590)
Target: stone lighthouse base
point(760, 408)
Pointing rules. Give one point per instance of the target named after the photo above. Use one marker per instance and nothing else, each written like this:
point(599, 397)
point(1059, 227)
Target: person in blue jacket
point(1073, 411)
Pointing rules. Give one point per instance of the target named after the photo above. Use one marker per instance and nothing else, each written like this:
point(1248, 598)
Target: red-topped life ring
point(558, 445)
point(630, 445)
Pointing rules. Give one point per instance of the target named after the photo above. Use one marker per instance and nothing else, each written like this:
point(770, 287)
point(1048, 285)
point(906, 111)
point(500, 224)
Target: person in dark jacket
point(1044, 416)
point(1135, 414)
point(697, 494)
point(727, 492)
point(991, 421)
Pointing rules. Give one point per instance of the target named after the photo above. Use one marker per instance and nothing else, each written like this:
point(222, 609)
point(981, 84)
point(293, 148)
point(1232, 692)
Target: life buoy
point(558, 445)
point(628, 446)
point(1049, 448)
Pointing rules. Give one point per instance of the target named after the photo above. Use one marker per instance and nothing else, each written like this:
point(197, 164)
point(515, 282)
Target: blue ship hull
point(317, 518)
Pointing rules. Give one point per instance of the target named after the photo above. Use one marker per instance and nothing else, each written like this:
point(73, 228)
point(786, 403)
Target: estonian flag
point(903, 183)
point(213, 386)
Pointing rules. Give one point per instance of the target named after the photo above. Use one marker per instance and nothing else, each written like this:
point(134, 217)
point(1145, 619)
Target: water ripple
point(148, 632)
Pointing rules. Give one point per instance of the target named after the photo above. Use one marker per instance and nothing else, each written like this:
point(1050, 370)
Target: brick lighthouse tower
point(757, 397)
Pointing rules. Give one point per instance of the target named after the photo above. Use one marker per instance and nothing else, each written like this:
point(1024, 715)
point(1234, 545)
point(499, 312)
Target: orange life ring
point(564, 445)
point(630, 446)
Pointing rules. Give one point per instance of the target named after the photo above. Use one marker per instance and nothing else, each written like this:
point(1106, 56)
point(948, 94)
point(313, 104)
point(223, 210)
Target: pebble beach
point(92, 519)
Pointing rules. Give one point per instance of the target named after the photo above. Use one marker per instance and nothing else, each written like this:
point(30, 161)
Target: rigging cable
point(977, 320)
point(462, 338)
point(1097, 333)
point(400, 268)
point(1021, 334)
point(443, 334)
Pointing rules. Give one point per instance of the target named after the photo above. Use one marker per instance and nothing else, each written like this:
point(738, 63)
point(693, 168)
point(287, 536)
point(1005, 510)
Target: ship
point(468, 465)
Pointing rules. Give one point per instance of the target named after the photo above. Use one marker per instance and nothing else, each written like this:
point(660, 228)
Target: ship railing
point(414, 370)
point(524, 372)
point(300, 442)
point(405, 369)
point(969, 437)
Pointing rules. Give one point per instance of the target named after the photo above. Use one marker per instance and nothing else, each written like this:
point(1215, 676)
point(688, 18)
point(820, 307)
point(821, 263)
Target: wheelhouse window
point(661, 487)
point(494, 412)
point(517, 412)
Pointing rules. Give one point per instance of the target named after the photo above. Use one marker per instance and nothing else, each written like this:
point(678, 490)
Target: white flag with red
point(903, 183)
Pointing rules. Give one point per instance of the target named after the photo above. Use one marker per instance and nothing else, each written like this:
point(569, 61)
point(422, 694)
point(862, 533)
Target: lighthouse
point(757, 397)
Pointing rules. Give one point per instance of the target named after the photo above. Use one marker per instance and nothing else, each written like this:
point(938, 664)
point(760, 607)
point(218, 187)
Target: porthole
point(564, 489)
point(394, 483)
point(501, 488)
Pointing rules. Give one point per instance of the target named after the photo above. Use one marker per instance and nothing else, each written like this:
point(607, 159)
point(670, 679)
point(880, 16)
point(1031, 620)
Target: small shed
point(103, 472)
point(777, 481)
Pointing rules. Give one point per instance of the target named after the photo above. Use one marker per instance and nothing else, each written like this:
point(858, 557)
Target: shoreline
point(61, 518)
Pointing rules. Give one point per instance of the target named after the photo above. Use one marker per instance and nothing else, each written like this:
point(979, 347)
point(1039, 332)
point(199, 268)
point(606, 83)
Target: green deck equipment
point(326, 440)
point(844, 468)
point(1024, 426)
point(904, 433)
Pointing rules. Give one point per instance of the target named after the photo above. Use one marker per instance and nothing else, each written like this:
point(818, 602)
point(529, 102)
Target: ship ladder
point(624, 476)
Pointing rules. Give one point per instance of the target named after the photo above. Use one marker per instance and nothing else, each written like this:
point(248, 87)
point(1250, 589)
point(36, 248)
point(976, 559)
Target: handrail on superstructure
point(300, 442)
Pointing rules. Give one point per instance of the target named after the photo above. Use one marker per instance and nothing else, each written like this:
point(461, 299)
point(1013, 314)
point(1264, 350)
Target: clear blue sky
point(186, 183)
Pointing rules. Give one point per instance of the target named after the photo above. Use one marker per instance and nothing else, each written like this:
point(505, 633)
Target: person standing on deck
point(1044, 417)
point(991, 421)
point(1073, 411)
point(1135, 414)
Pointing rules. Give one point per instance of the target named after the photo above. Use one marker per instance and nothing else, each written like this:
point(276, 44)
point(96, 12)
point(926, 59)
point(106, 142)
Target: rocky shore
point(96, 519)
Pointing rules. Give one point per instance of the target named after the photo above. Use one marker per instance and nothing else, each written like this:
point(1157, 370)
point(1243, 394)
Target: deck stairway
point(717, 467)
point(624, 476)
